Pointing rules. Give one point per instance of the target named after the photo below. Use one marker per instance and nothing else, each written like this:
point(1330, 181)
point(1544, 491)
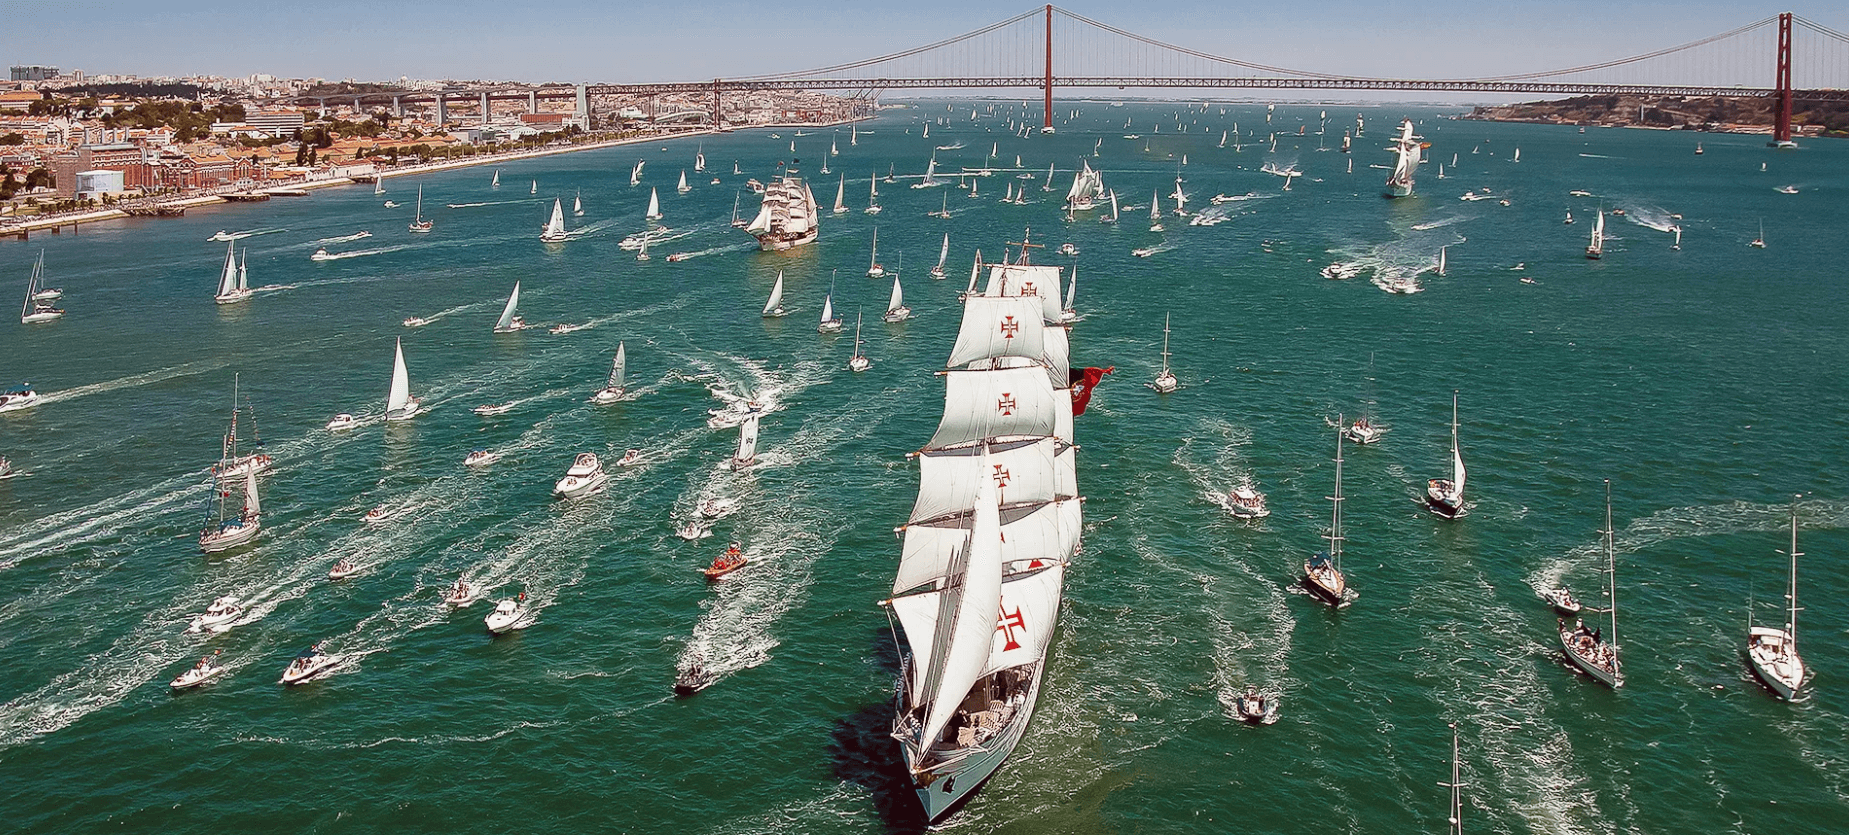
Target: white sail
point(841, 195)
point(1004, 404)
point(1598, 232)
point(1044, 531)
point(1055, 355)
point(898, 296)
point(1441, 260)
point(1072, 288)
point(244, 270)
point(761, 223)
point(401, 382)
point(507, 313)
point(654, 205)
point(555, 226)
point(1113, 205)
point(618, 368)
point(949, 478)
point(1155, 207)
point(682, 186)
point(776, 295)
point(1029, 609)
point(747, 440)
point(975, 272)
point(252, 504)
point(1066, 472)
point(1457, 465)
point(828, 308)
point(577, 208)
point(995, 327)
point(496, 182)
point(699, 160)
point(228, 281)
point(1027, 280)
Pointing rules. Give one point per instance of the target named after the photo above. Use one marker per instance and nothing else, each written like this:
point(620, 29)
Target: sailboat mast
point(1335, 503)
point(1165, 318)
point(1611, 576)
point(1791, 593)
point(1456, 785)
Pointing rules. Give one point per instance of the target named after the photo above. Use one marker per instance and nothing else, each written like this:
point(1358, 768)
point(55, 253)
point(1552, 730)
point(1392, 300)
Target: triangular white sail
point(507, 313)
point(1072, 288)
point(943, 252)
point(841, 195)
point(618, 368)
point(747, 441)
point(1457, 457)
point(828, 308)
point(228, 281)
point(244, 270)
point(555, 227)
point(699, 160)
point(577, 207)
point(401, 382)
point(682, 186)
point(996, 405)
point(252, 504)
point(761, 223)
point(898, 296)
point(654, 205)
point(1598, 232)
point(776, 295)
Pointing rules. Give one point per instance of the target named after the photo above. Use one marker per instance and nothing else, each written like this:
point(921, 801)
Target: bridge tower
point(718, 117)
point(1781, 124)
point(442, 109)
point(532, 101)
point(484, 108)
point(1046, 124)
point(397, 107)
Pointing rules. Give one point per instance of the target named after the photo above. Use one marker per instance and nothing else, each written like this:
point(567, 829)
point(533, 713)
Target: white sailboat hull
point(406, 412)
point(228, 536)
point(1585, 661)
point(1782, 673)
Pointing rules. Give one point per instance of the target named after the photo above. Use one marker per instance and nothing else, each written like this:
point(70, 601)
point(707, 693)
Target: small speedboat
point(380, 514)
point(217, 617)
point(507, 615)
point(221, 236)
point(677, 257)
point(693, 531)
point(481, 458)
point(416, 322)
point(1068, 249)
point(629, 459)
point(22, 397)
point(693, 679)
point(563, 328)
point(1786, 189)
point(321, 254)
point(460, 594)
point(1363, 431)
point(1255, 708)
point(1562, 601)
point(584, 478)
point(308, 665)
point(6, 467)
point(205, 670)
point(495, 408)
point(343, 569)
point(714, 508)
point(342, 422)
point(391, 204)
point(1246, 503)
point(1145, 252)
point(731, 560)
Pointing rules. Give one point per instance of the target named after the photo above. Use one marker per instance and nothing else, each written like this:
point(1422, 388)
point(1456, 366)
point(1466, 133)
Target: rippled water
point(1707, 383)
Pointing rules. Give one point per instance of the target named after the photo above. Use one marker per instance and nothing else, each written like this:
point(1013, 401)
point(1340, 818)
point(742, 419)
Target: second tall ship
point(996, 522)
point(787, 218)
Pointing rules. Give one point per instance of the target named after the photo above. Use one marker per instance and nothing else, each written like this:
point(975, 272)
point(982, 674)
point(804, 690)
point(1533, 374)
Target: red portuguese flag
point(1083, 382)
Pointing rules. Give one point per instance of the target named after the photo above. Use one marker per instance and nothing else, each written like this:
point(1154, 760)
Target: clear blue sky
point(652, 40)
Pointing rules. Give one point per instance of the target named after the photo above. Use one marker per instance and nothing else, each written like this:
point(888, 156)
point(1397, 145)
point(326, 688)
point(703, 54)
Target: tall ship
point(996, 522)
point(1087, 189)
point(1406, 148)
point(787, 218)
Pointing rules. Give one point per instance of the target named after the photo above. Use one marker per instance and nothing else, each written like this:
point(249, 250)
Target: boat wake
point(954, 146)
point(362, 253)
point(1212, 216)
point(344, 238)
point(1440, 223)
point(496, 203)
point(142, 379)
point(1650, 217)
point(699, 253)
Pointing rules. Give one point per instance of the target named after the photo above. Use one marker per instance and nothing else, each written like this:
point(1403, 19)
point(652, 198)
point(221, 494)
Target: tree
point(12, 139)
point(40, 178)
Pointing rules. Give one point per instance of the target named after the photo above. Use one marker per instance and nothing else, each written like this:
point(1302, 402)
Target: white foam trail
point(344, 238)
point(498, 203)
point(362, 253)
point(142, 379)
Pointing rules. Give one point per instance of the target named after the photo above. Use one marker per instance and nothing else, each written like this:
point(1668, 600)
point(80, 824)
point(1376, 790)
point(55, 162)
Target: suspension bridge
point(1050, 48)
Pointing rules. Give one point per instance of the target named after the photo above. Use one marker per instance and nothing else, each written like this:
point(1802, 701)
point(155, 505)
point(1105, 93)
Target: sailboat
point(859, 361)
point(1678, 244)
point(699, 158)
point(577, 205)
point(930, 175)
point(418, 223)
point(1322, 572)
point(1406, 149)
point(509, 322)
point(874, 270)
point(1441, 259)
point(829, 323)
point(1445, 496)
point(1048, 185)
point(942, 253)
point(1593, 650)
point(943, 210)
point(1155, 212)
point(555, 227)
point(1517, 157)
point(378, 185)
point(1112, 217)
point(896, 311)
point(787, 217)
point(399, 404)
point(1165, 380)
point(773, 307)
point(1456, 786)
point(1181, 199)
point(853, 134)
point(1364, 430)
point(833, 150)
point(840, 196)
point(654, 205)
point(36, 310)
point(535, 188)
point(612, 390)
point(233, 286)
point(1087, 189)
point(231, 462)
point(1596, 249)
point(873, 194)
point(736, 222)
point(969, 679)
point(635, 174)
point(1773, 652)
point(1569, 218)
point(226, 531)
point(1760, 242)
point(1067, 313)
point(682, 186)
point(496, 182)
point(747, 443)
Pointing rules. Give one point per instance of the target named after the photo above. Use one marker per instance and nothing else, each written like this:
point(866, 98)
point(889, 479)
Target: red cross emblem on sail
point(1001, 476)
point(1006, 625)
point(1006, 404)
point(1027, 288)
point(1010, 327)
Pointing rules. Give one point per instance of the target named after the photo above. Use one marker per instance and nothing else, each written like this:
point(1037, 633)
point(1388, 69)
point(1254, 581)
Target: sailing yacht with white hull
point(1593, 650)
point(1406, 148)
point(555, 227)
point(233, 464)
point(896, 311)
point(1596, 249)
point(418, 223)
point(227, 531)
point(979, 543)
point(773, 307)
point(1773, 652)
point(830, 323)
point(399, 404)
point(612, 390)
point(510, 321)
point(1322, 572)
point(787, 218)
point(1087, 188)
point(747, 454)
point(1445, 496)
point(37, 307)
point(1165, 382)
point(233, 284)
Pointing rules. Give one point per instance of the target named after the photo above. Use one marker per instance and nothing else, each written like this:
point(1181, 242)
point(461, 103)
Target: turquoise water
point(1705, 382)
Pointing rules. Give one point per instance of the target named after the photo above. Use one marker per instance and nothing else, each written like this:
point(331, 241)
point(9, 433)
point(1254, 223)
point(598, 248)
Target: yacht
point(584, 478)
point(1246, 503)
point(233, 282)
point(1256, 708)
point(231, 531)
point(310, 664)
point(493, 409)
point(1363, 431)
point(1165, 380)
point(218, 617)
point(19, 397)
point(1589, 648)
point(510, 321)
point(204, 670)
point(419, 224)
point(507, 616)
point(342, 422)
point(1562, 600)
point(415, 321)
point(1322, 572)
point(399, 404)
point(1445, 496)
point(38, 307)
point(321, 254)
point(859, 361)
point(732, 559)
point(1773, 652)
point(613, 386)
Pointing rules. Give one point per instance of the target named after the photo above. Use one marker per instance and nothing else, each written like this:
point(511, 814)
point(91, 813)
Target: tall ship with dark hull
point(988, 541)
point(787, 217)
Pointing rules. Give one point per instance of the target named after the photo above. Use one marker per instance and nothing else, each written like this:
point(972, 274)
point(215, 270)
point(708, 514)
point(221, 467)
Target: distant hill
point(1713, 113)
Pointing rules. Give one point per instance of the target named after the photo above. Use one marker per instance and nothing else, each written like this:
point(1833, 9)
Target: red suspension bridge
point(1050, 47)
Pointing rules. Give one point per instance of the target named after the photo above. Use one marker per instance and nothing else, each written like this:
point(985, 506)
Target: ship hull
point(1394, 191)
point(1591, 667)
point(777, 243)
point(947, 790)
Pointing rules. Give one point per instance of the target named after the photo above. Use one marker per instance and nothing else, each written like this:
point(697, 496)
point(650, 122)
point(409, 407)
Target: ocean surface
point(1707, 383)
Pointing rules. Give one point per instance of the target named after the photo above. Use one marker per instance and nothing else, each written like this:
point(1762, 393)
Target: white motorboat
point(1256, 708)
point(613, 386)
point(37, 307)
point(321, 254)
point(415, 321)
point(492, 409)
point(717, 507)
point(1322, 572)
point(510, 321)
point(229, 531)
point(1773, 652)
point(1069, 249)
point(1165, 381)
point(233, 282)
point(382, 513)
point(204, 670)
point(399, 404)
point(218, 617)
point(1445, 496)
point(563, 328)
point(1246, 503)
point(460, 594)
point(585, 477)
point(630, 458)
point(20, 397)
point(342, 422)
point(481, 458)
point(692, 531)
point(1589, 648)
point(343, 568)
point(508, 615)
point(6, 468)
point(307, 666)
point(222, 235)
point(1562, 600)
point(773, 306)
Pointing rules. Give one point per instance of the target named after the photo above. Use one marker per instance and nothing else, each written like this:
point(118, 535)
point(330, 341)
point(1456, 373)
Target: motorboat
point(507, 616)
point(1068, 249)
point(1562, 600)
point(1255, 708)
point(1143, 252)
point(716, 507)
point(1363, 431)
point(217, 617)
point(6, 468)
point(629, 459)
point(381, 514)
point(307, 666)
point(732, 559)
point(495, 408)
point(693, 531)
point(415, 322)
point(22, 397)
point(459, 594)
point(679, 256)
point(693, 679)
point(343, 568)
point(321, 254)
point(565, 328)
point(342, 422)
point(481, 458)
point(204, 670)
point(584, 478)
point(222, 235)
point(1246, 503)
